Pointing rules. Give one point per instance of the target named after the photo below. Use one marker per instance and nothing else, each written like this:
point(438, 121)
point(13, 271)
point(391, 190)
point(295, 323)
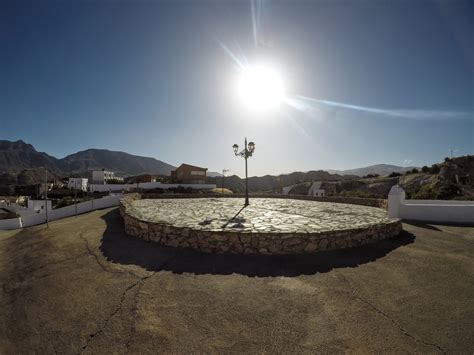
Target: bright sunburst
point(260, 88)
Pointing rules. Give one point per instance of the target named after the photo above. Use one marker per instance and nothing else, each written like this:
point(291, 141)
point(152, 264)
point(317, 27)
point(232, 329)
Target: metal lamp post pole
point(246, 177)
point(75, 195)
point(223, 176)
point(245, 153)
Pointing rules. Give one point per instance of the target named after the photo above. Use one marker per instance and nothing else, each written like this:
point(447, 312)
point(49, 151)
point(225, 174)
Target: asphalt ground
point(83, 286)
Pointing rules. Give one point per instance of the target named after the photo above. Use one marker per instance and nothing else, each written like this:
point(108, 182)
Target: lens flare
point(260, 88)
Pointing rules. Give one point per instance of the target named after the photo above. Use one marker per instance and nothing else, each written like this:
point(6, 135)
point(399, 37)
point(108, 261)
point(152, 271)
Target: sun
point(260, 88)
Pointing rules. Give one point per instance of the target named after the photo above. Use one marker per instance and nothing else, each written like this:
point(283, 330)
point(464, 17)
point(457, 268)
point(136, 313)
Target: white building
point(103, 177)
point(39, 206)
point(77, 183)
point(316, 190)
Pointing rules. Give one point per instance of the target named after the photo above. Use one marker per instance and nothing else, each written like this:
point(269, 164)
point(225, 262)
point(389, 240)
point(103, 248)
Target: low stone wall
point(252, 243)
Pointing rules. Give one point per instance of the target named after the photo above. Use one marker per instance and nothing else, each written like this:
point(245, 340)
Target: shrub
point(394, 174)
point(435, 169)
point(357, 193)
point(425, 192)
point(425, 169)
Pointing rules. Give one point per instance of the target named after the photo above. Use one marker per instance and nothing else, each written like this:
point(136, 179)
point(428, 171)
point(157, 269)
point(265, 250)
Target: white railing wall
point(438, 211)
point(28, 219)
point(11, 223)
point(147, 186)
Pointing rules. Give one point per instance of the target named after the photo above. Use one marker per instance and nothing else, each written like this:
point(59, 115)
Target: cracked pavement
point(83, 286)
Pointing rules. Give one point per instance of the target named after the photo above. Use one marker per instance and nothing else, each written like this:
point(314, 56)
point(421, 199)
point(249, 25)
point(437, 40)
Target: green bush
point(394, 174)
point(425, 192)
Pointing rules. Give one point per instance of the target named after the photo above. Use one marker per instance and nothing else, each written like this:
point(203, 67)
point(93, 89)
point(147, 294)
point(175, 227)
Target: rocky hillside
point(25, 177)
point(17, 157)
point(378, 169)
point(274, 184)
point(119, 162)
point(451, 179)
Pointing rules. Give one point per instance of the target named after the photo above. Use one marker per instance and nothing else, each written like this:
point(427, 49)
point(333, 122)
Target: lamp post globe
point(251, 147)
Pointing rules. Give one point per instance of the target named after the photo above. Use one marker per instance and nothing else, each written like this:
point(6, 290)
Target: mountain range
point(18, 156)
point(379, 169)
point(22, 164)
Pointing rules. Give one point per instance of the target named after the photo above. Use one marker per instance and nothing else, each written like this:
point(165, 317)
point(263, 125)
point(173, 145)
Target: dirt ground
point(82, 285)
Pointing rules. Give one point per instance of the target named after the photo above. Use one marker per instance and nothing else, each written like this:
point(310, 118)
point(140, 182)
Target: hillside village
point(23, 170)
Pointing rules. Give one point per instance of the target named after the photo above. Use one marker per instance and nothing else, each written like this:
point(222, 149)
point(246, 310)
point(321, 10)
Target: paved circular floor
point(265, 215)
point(267, 226)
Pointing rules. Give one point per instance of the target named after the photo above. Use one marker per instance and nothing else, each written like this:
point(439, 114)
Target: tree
point(425, 169)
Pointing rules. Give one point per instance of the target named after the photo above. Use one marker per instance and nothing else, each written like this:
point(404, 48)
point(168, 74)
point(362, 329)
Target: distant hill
point(17, 159)
point(213, 174)
point(270, 183)
point(451, 179)
point(18, 156)
point(380, 169)
point(119, 162)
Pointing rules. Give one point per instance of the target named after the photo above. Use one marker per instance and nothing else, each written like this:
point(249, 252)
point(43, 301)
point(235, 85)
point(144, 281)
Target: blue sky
point(367, 81)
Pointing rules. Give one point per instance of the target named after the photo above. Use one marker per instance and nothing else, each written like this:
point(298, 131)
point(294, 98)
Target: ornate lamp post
point(245, 153)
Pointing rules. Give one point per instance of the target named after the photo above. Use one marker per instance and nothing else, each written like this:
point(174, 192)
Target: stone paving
point(266, 215)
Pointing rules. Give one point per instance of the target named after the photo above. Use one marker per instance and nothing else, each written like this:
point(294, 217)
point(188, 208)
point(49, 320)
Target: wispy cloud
point(411, 114)
point(407, 161)
point(256, 8)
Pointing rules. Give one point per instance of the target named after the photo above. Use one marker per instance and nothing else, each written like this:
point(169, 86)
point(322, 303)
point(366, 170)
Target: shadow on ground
point(120, 248)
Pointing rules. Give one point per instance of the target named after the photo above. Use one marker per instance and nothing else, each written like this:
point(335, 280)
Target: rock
point(311, 247)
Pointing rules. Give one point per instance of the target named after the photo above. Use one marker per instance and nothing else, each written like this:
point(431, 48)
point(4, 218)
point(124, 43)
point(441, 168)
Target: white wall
point(31, 217)
point(77, 183)
point(98, 177)
point(317, 192)
point(84, 207)
point(11, 223)
point(429, 210)
point(39, 205)
point(147, 185)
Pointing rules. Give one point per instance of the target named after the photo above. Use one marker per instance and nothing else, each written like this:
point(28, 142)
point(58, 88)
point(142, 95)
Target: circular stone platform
point(267, 226)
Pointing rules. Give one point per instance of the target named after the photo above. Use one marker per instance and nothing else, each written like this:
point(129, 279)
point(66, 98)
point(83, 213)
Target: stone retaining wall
point(252, 243)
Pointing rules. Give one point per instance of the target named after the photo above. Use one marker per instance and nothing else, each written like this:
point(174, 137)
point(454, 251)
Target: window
point(196, 172)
